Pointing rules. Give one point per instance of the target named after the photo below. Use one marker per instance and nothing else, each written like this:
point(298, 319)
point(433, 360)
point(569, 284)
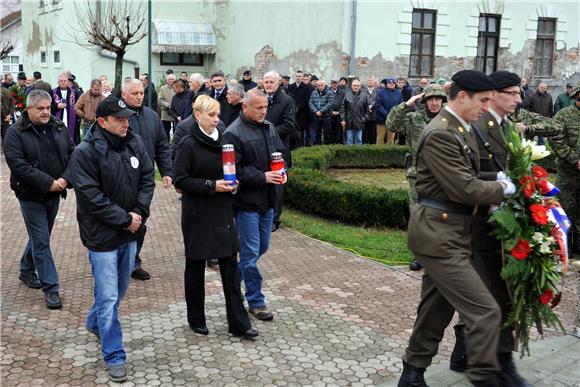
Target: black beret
point(113, 106)
point(21, 76)
point(247, 72)
point(473, 80)
point(505, 79)
point(72, 78)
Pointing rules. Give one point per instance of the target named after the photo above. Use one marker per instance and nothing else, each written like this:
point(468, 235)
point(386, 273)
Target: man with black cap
point(449, 194)
point(246, 81)
point(113, 178)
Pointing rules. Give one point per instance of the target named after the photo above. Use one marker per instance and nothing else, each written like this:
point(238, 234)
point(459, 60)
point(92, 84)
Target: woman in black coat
point(207, 220)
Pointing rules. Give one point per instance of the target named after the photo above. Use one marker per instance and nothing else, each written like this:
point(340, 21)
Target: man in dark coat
point(144, 78)
point(300, 91)
point(179, 102)
point(246, 81)
point(281, 115)
point(113, 178)
point(234, 106)
point(197, 87)
point(254, 140)
point(353, 113)
point(148, 125)
point(540, 101)
point(219, 90)
point(37, 150)
point(321, 103)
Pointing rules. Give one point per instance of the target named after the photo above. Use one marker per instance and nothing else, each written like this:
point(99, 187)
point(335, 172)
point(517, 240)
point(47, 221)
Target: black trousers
point(279, 203)
point(167, 126)
point(238, 320)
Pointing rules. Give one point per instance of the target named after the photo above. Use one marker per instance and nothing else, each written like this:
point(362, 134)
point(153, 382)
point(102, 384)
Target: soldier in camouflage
point(533, 124)
point(403, 120)
point(566, 144)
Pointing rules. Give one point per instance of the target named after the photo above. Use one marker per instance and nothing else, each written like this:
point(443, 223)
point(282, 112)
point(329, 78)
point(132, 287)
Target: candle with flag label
point(229, 163)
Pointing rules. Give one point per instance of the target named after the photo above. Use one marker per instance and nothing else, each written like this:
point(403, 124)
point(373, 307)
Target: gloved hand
point(508, 187)
point(502, 176)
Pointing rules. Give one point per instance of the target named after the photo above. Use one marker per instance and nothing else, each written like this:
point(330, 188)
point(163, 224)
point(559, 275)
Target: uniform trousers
point(449, 284)
point(238, 320)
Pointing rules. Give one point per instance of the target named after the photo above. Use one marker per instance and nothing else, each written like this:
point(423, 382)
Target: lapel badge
point(490, 123)
point(490, 156)
point(444, 119)
point(461, 130)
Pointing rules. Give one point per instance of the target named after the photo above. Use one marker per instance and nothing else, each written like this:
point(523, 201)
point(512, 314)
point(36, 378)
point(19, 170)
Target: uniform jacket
point(355, 109)
point(537, 125)
point(445, 172)
point(36, 156)
point(248, 84)
point(164, 98)
point(566, 144)
point(146, 123)
point(253, 144)
point(207, 218)
point(281, 114)
point(111, 177)
point(321, 101)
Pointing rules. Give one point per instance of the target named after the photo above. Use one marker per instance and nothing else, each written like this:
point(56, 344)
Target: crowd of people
point(106, 147)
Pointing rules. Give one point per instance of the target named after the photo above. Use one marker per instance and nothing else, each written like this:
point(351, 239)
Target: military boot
point(491, 382)
point(509, 376)
point(412, 377)
point(458, 361)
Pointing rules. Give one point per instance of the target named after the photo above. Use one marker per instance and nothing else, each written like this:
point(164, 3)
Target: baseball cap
point(113, 106)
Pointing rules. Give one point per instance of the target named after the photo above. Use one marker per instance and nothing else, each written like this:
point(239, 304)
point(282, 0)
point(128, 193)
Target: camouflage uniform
point(403, 120)
point(537, 125)
point(567, 147)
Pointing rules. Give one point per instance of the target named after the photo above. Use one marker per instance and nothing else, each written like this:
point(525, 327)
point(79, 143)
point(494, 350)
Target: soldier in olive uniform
point(567, 148)
point(449, 193)
point(403, 120)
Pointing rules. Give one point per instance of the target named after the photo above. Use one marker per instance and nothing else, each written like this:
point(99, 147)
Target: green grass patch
point(386, 246)
point(389, 178)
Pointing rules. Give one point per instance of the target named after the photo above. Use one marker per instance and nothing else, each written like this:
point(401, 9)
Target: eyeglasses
point(511, 93)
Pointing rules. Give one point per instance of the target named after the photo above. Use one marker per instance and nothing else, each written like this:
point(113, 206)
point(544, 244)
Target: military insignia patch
point(490, 123)
point(460, 129)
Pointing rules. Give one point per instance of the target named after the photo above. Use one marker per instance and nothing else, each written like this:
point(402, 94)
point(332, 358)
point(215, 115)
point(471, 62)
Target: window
point(545, 47)
point(56, 58)
point(487, 43)
point(172, 58)
point(10, 64)
point(43, 57)
point(422, 43)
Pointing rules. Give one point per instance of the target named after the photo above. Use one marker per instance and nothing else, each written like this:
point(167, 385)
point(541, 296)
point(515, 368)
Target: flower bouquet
point(533, 229)
point(18, 100)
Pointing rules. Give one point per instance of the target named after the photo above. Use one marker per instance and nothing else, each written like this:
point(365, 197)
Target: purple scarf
point(70, 106)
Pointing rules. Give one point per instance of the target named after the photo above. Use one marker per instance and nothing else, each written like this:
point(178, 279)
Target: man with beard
point(147, 124)
point(86, 106)
point(403, 120)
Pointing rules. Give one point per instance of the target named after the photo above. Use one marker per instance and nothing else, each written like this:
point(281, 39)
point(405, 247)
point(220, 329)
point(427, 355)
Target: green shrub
point(310, 189)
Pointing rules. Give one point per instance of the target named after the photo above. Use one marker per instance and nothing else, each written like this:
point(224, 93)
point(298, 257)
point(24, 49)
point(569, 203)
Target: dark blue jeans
point(39, 219)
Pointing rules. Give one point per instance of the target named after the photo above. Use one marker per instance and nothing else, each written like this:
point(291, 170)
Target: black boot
point(509, 376)
point(412, 377)
point(491, 382)
point(415, 265)
point(458, 361)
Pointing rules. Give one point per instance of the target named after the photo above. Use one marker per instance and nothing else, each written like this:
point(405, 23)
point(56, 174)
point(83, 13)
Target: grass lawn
point(382, 245)
point(388, 178)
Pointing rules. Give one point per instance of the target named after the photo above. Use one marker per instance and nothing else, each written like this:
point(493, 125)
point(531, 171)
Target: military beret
point(505, 79)
point(21, 76)
point(575, 91)
point(473, 80)
point(113, 106)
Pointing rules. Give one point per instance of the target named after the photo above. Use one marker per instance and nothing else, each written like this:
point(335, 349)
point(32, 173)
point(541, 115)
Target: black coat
point(281, 114)
point(222, 99)
point(207, 218)
point(230, 113)
point(354, 110)
point(153, 98)
point(253, 143)
point(111, 177)
point(184, 128)
point(178, 105)
point(36, 156)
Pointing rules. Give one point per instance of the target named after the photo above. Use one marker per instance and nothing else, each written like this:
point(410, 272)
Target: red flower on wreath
point(543, 186)
point(546, 296)
point(527, 183)
point(19, 105)
point(539, 172)
point(539, 214)
point(521, 250)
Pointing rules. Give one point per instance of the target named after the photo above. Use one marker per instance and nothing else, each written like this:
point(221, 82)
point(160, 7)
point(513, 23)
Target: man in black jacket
point(254, 140)
point(234, 106)
point(281, 115)
point(37, 150)
point(148, 125)
point(219, 90)
point(246, 81)
point(113, 178)
point(300, 91)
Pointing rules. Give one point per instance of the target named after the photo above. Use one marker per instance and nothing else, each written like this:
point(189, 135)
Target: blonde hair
point(206, 104)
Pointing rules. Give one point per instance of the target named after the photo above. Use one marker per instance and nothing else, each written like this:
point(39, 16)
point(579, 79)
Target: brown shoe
point(262, 313)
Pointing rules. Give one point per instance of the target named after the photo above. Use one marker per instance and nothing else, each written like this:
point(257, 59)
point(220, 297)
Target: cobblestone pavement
point(339, 319)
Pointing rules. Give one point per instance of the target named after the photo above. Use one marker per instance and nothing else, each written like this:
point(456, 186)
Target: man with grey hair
point(254, 140)
point(197, 87)
point(147, 124)
point(281, 114)
point(37, 150)
point(164, 98)
point(232, 109)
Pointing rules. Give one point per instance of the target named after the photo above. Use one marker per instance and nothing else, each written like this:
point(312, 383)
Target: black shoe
point(140, 274)
point(200, 330)
point(275, 226)
point(491, 382)
point(262, 313)
point(415, 265)
point(52, 300)
point(31, 281)
point(212, 263)
point(249, 334)
point(509, 376)
point(412, 377)
point(458, 361)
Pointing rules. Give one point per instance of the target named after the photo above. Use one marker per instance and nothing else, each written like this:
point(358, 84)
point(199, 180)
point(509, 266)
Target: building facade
point(415, 38)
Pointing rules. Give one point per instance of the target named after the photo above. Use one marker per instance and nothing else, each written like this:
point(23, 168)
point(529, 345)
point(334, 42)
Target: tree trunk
point(119, 73)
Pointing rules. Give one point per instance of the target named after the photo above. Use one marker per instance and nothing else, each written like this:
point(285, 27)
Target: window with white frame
point(10, 64)
point(43, 57)
point(56, 58)
point(545, 44)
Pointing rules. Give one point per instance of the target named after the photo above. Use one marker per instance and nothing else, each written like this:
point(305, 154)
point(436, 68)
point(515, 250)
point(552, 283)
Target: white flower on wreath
point(538, 151)
point(538, 237)
point(546, 248)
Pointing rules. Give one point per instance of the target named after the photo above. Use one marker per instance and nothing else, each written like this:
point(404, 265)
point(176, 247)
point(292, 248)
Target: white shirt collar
point(495, 115)
point(213, 135)
point(461, 120)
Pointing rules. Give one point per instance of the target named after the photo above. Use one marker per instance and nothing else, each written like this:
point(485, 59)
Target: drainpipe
point(352, 38)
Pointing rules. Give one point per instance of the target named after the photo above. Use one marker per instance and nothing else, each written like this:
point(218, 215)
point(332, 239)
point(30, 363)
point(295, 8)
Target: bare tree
point(111, 25)
point(6, 47)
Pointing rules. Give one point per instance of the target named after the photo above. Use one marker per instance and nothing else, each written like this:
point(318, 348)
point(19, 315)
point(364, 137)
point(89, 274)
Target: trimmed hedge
point(309, 189)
